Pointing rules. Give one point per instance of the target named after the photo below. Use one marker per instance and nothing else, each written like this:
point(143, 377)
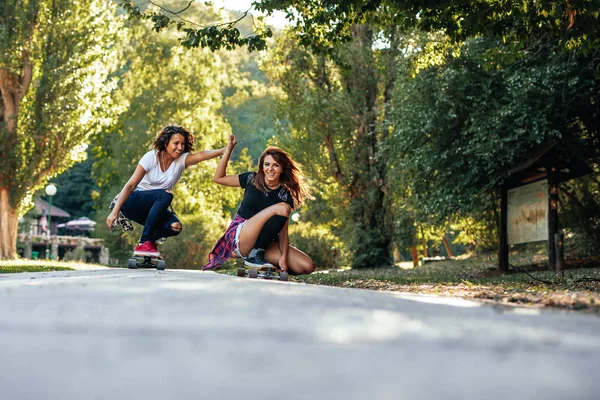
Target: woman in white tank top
point(146, 197)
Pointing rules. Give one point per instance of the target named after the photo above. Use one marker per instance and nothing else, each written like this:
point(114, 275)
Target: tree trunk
point(8, 226)
point(12, 91)
point(372, 240)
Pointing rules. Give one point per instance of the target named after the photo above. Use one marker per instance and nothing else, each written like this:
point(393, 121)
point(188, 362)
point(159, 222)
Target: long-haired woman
point(259, 231)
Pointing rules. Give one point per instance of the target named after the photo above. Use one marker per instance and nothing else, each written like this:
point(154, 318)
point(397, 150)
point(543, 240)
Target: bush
point(325, 249)
point(77, 254)
point(189, 250)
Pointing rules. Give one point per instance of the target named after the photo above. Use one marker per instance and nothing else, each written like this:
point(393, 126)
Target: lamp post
point(50, 192)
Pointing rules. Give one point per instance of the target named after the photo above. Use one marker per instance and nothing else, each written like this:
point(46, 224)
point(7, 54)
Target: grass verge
point(529, 283)
point(478, 278)
point(15, 266)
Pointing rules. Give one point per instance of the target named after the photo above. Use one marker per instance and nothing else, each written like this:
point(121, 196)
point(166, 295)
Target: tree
point(335, 116)
point(249, 97)
point(76, 190)
point(580, 211)
point(463, 122)
point(54, 85)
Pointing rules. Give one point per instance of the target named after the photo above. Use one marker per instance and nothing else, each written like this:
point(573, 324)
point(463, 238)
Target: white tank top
point(157, 179)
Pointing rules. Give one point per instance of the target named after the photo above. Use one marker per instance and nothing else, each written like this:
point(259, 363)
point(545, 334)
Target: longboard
point(138, 261)
point(264, 272)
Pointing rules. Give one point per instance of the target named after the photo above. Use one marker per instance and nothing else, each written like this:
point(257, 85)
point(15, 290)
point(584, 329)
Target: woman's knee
point(305, 267)
point(166, 195)
point(176, 227)
point(283, 209)
point(309, 267)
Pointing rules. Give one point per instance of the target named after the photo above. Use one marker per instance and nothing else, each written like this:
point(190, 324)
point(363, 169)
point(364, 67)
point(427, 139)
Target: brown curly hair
point(163, 138)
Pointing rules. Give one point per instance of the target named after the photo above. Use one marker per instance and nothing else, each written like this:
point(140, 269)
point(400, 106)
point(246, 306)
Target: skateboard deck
point(265, 272)
point(139, 261)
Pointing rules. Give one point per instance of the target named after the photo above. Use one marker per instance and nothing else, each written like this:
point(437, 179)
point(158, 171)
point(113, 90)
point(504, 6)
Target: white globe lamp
point(50, 192)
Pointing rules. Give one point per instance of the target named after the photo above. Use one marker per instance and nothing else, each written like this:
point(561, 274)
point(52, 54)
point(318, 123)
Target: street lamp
point(50, 192)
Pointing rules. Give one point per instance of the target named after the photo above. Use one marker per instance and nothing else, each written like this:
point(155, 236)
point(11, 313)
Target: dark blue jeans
point(150, 208)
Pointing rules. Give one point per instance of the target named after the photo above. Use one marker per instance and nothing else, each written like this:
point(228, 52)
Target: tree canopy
point(54, 80)
point(480, 113)
point(572, 24)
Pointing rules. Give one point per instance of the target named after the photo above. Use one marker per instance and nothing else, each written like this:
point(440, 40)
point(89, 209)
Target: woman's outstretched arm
point(203, 155)
point(221, 176)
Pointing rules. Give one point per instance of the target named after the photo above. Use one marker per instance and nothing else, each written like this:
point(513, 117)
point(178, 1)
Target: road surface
point(145, 334)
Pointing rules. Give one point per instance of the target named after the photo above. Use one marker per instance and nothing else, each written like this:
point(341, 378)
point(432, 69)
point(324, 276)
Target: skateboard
point(264, 272)
point(138, 261)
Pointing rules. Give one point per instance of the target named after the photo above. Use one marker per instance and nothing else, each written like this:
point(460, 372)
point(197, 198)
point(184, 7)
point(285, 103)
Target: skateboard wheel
point(160, 264)
point(253, 274)
point(132, 263)
point(283, 276)
point(241, 272)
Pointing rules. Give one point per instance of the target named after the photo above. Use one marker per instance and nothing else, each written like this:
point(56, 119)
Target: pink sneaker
point(146, 249)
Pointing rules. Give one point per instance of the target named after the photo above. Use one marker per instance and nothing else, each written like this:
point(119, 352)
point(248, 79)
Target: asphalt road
point(127, 334)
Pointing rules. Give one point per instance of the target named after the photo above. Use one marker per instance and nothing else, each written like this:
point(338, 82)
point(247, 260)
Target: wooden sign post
point(529, 201)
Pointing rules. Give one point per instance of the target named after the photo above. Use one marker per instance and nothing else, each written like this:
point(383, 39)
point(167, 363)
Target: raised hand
point(231, 144)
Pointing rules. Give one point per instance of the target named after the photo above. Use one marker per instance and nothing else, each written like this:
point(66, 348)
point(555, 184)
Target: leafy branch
point(214, 36)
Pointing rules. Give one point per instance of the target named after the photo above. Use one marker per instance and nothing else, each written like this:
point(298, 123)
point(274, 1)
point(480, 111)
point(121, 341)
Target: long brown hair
point(291, 175)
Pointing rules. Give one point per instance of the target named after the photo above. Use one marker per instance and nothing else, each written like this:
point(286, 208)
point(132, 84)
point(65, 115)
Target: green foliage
point(77, 254)
point(322, 25)
point(462, 124)
point(14, 269)
point(250, 111)
point(326, 250)
point(249, 101)
point(70, 48)
point(334, 121)
point(76, 190)
point(223, 35)
point(190, 249)
point(579, 213)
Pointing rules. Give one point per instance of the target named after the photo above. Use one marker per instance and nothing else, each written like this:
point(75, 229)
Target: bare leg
point(253, 226)
point(298, 261)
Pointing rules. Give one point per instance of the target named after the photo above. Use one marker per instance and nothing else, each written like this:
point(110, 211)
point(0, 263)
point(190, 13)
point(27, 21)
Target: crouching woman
point(146, 198)
point(259, 231)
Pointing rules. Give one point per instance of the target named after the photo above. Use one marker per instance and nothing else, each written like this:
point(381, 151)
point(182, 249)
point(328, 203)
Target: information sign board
point(528, 213)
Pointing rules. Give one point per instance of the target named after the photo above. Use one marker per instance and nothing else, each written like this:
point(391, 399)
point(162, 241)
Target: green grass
point(478, 277)
point(15, 266)
point(479, 270)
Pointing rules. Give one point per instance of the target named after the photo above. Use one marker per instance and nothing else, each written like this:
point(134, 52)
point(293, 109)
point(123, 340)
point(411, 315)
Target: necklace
point(163, 163)
point(273, 187)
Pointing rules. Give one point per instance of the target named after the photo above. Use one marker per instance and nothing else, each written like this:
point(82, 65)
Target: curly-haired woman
point(146, 197)
point(259, 231)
